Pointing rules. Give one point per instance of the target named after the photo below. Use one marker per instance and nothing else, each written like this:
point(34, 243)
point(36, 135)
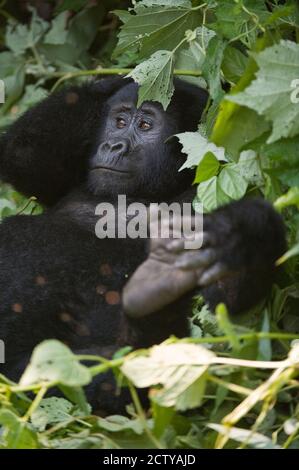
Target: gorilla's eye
point(144, 125)
point(120, 123)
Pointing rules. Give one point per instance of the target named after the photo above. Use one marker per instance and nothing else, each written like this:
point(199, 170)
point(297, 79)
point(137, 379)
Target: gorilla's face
point(133, 156)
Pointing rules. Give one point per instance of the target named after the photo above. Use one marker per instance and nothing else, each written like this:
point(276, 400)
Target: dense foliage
point(234, 383)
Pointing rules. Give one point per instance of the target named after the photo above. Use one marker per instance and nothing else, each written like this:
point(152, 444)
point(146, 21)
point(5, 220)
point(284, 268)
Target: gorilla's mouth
point(109, 168)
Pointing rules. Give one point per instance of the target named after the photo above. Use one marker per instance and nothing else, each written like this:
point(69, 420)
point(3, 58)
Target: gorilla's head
point(136, 153)
point(94, 135)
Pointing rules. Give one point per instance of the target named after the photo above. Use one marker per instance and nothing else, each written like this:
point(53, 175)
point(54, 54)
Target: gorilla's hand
point(170, 271)
point(243, 238)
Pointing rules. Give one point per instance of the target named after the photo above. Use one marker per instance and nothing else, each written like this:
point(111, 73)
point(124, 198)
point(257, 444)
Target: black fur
point(58, 280)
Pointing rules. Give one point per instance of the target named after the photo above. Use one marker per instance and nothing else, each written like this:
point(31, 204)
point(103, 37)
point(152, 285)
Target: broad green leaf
point(235, 126)
point(84, 26)
point(233, 20)
point(231, 181)
point(14, 84)
point(58, 32)
point(162, 417)
point(211, 194)
point(50, 411)
point(253, 439)
point(234, 64)
point(155, 78)
point(192, 56)
point(117, 423)
point(186, 391)
point(212, 66)
point(62, 55)
point(249, 168)
point(20, 37)
point(185, 60)
point(207, 168)
point(270, 94)
point(199, 43)
point(282, 157)
point(16, 433)
point(52, 361)
point(196, 147)
point(76, 395)
point(156, 27)
point(180, 368)
point(163, 362)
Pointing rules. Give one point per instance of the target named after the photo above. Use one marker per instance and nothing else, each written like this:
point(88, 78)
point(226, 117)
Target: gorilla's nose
point(115, 148)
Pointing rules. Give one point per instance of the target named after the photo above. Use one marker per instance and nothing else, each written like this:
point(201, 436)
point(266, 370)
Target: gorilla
point(87, 144)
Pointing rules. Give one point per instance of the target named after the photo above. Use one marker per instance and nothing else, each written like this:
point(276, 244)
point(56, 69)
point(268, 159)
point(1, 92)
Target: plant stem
point(142, 417)
point(94, 370)
point(245, 336)
point(34, 405)
point(110, 71)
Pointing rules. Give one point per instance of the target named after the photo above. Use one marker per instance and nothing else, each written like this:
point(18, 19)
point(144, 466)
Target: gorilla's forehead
point(128, 94)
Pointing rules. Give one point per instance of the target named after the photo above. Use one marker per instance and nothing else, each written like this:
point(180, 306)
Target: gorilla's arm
point(236, 265)
point(44, 153)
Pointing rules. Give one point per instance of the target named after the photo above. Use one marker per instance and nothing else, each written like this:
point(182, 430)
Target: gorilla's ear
point(44, 153)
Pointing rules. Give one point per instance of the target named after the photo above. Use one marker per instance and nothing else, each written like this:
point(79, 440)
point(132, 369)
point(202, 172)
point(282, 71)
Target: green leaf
point(19, 37)
point(54, 362)
point(249, 168)
point(207, 168)
point(196, 147)
point(13, 82)
point(270, 94)
point(238, 19)
point(235, 126)
point(212, 66)
point(283, 157)
point(231, 181)
point(156, 27)
point(58, 32)
point(50, 411)
point(116, 423)
point(211, 194)
point(155, 78)
point(76, 395)
point(180, 368)
point(83, 28)
point(162, 418)
point(193, 55)
point(16, 433)
point(234, 64)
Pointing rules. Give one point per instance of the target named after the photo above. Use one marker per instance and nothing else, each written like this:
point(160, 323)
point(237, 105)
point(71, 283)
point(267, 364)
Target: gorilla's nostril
point(119, 148)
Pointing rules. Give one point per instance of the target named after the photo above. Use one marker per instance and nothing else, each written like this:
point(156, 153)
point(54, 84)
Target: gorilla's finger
point(195, 259)
point(213, 274)
point(175, 246)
